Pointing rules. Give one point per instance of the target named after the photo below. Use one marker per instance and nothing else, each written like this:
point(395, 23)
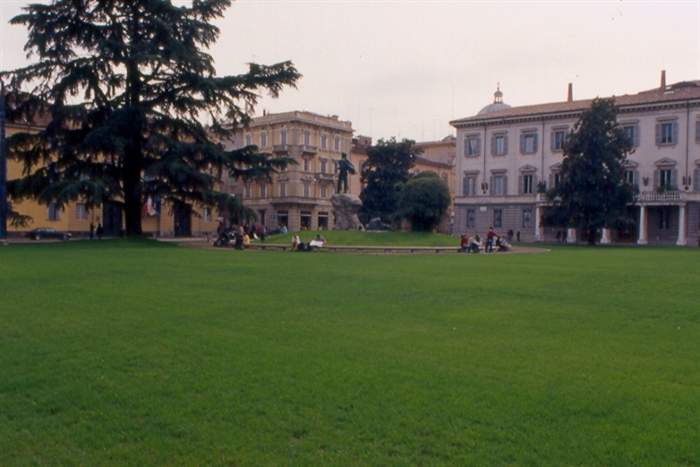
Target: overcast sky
point(406, 68)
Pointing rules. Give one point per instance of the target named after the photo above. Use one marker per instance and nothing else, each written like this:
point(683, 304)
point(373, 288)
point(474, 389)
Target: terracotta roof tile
point(681, 91)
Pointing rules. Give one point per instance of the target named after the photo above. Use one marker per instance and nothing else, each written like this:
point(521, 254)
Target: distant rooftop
point(303, 116)
point(681, 91)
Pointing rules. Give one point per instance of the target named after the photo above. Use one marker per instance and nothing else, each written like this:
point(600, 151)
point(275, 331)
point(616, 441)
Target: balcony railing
point(659, 196)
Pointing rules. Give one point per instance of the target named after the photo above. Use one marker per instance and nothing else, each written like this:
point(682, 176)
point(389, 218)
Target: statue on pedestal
point(344, 167)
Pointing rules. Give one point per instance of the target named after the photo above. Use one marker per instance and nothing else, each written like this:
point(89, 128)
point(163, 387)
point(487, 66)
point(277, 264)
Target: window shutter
point(493, 145)
point(505, 185)
point(478, 146)
point(675, 132)
point(552, 136)
point(505, 144)
point(535, 144)
point(658, 134)
point(635, 178)
point(491, 189)
point(697, 131)
point(635, 134)
point(551, 181)
point(521, 183)
point(657, 179)
point(522, 144)
point(534, 183)
point(466, 146)
point(674, 179)
point(696, 177)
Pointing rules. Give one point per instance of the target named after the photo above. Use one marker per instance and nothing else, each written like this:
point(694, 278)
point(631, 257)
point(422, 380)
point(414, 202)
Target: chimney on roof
point(663, 79)
point(570, 93)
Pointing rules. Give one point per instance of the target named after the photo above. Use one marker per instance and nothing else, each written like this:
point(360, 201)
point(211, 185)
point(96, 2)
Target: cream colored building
point(300, 196)
point(505, 153)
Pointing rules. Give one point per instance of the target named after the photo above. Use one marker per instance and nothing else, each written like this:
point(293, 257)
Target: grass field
point(345, 237)
point(131, 353)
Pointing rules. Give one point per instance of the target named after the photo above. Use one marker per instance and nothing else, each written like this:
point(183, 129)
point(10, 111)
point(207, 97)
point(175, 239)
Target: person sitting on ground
point(318, 242)
point(502, 244)
point(475, 244)
point(295, 242)
point(283, 229)
point(464, 243)
point(246, 240)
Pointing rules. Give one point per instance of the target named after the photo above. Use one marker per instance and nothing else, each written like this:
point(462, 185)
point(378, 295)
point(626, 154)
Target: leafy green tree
point(386, 169)
point(424, 199)
point(126, 86)
point(593, 192)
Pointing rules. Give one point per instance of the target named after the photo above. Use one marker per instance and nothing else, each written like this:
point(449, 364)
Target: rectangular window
point(306, 165)
point(263, 190)
point(472, 146)
point(81, 212)
point(263, 139)
point(558, 137)
point(469, 185)
point(248, 139)
point(527, 218)
point(283, 189)
point(471, 218)
point(528, 143)
point(53, 212)
point(322, 221)
point(629, 177)
point(247, 191)
point(324, 141)
point(528, 184)
point(324, 191)
point(497, 218)
point(324, 164)
point(666, 178)
point(305, 220)
point(631, 134)
point(557, 179)
point(206, 214)
point(307, 190)
point(499, 145)
point(337, 143)
point(283, 218)
point(283, 136)
point(307, 138)
point(667, 133)
point(499, 185)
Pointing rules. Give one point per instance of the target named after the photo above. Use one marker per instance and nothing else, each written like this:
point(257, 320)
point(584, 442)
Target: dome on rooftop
point(497, 104)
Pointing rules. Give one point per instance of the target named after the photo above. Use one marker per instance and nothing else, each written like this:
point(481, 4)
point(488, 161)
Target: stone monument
point(346, 207)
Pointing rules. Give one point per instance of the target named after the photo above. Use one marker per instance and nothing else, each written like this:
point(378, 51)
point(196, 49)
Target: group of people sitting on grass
point(239, 236)
point(315, 244)
point(494, 243)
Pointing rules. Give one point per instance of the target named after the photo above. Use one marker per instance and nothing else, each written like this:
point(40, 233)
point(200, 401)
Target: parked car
point(47, 232)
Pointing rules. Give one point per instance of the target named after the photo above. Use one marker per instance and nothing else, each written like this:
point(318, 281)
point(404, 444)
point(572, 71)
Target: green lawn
point(130, 353)
point(345, 237)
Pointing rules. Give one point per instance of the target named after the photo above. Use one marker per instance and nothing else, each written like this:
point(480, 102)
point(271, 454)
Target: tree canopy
point(424, 199)
point(386, 169)
point(125, 87)
point(592, 192)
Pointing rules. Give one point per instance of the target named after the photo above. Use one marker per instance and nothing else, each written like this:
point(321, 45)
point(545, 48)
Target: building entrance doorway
point(111, 219)
point(182, 214)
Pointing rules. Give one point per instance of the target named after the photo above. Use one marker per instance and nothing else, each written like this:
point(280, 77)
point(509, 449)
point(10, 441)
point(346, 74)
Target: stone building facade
point(505, 155)
point(300, 196)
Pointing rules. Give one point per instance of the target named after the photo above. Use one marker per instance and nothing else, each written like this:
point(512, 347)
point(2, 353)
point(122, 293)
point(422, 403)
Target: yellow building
point(300, 196)
point(76, 217)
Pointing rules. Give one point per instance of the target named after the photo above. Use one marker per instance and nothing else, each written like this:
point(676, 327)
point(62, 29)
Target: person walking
point(100, 230)
point(92, 231)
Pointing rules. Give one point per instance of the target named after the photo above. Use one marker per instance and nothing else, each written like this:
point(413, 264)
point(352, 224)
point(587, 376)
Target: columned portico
point(642, 239)
point(682, 225)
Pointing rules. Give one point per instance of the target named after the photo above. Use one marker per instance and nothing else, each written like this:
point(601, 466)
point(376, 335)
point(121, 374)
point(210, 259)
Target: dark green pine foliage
point(593, 192)
point(125, 86)
point(384, 172)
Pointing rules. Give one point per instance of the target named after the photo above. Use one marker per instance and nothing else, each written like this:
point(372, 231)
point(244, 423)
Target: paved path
point(369, 249)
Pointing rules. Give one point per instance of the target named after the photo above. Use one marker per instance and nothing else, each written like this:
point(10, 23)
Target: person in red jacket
point(490, 238)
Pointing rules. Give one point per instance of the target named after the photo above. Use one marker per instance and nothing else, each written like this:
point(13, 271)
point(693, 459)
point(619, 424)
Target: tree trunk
point(132, 203)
